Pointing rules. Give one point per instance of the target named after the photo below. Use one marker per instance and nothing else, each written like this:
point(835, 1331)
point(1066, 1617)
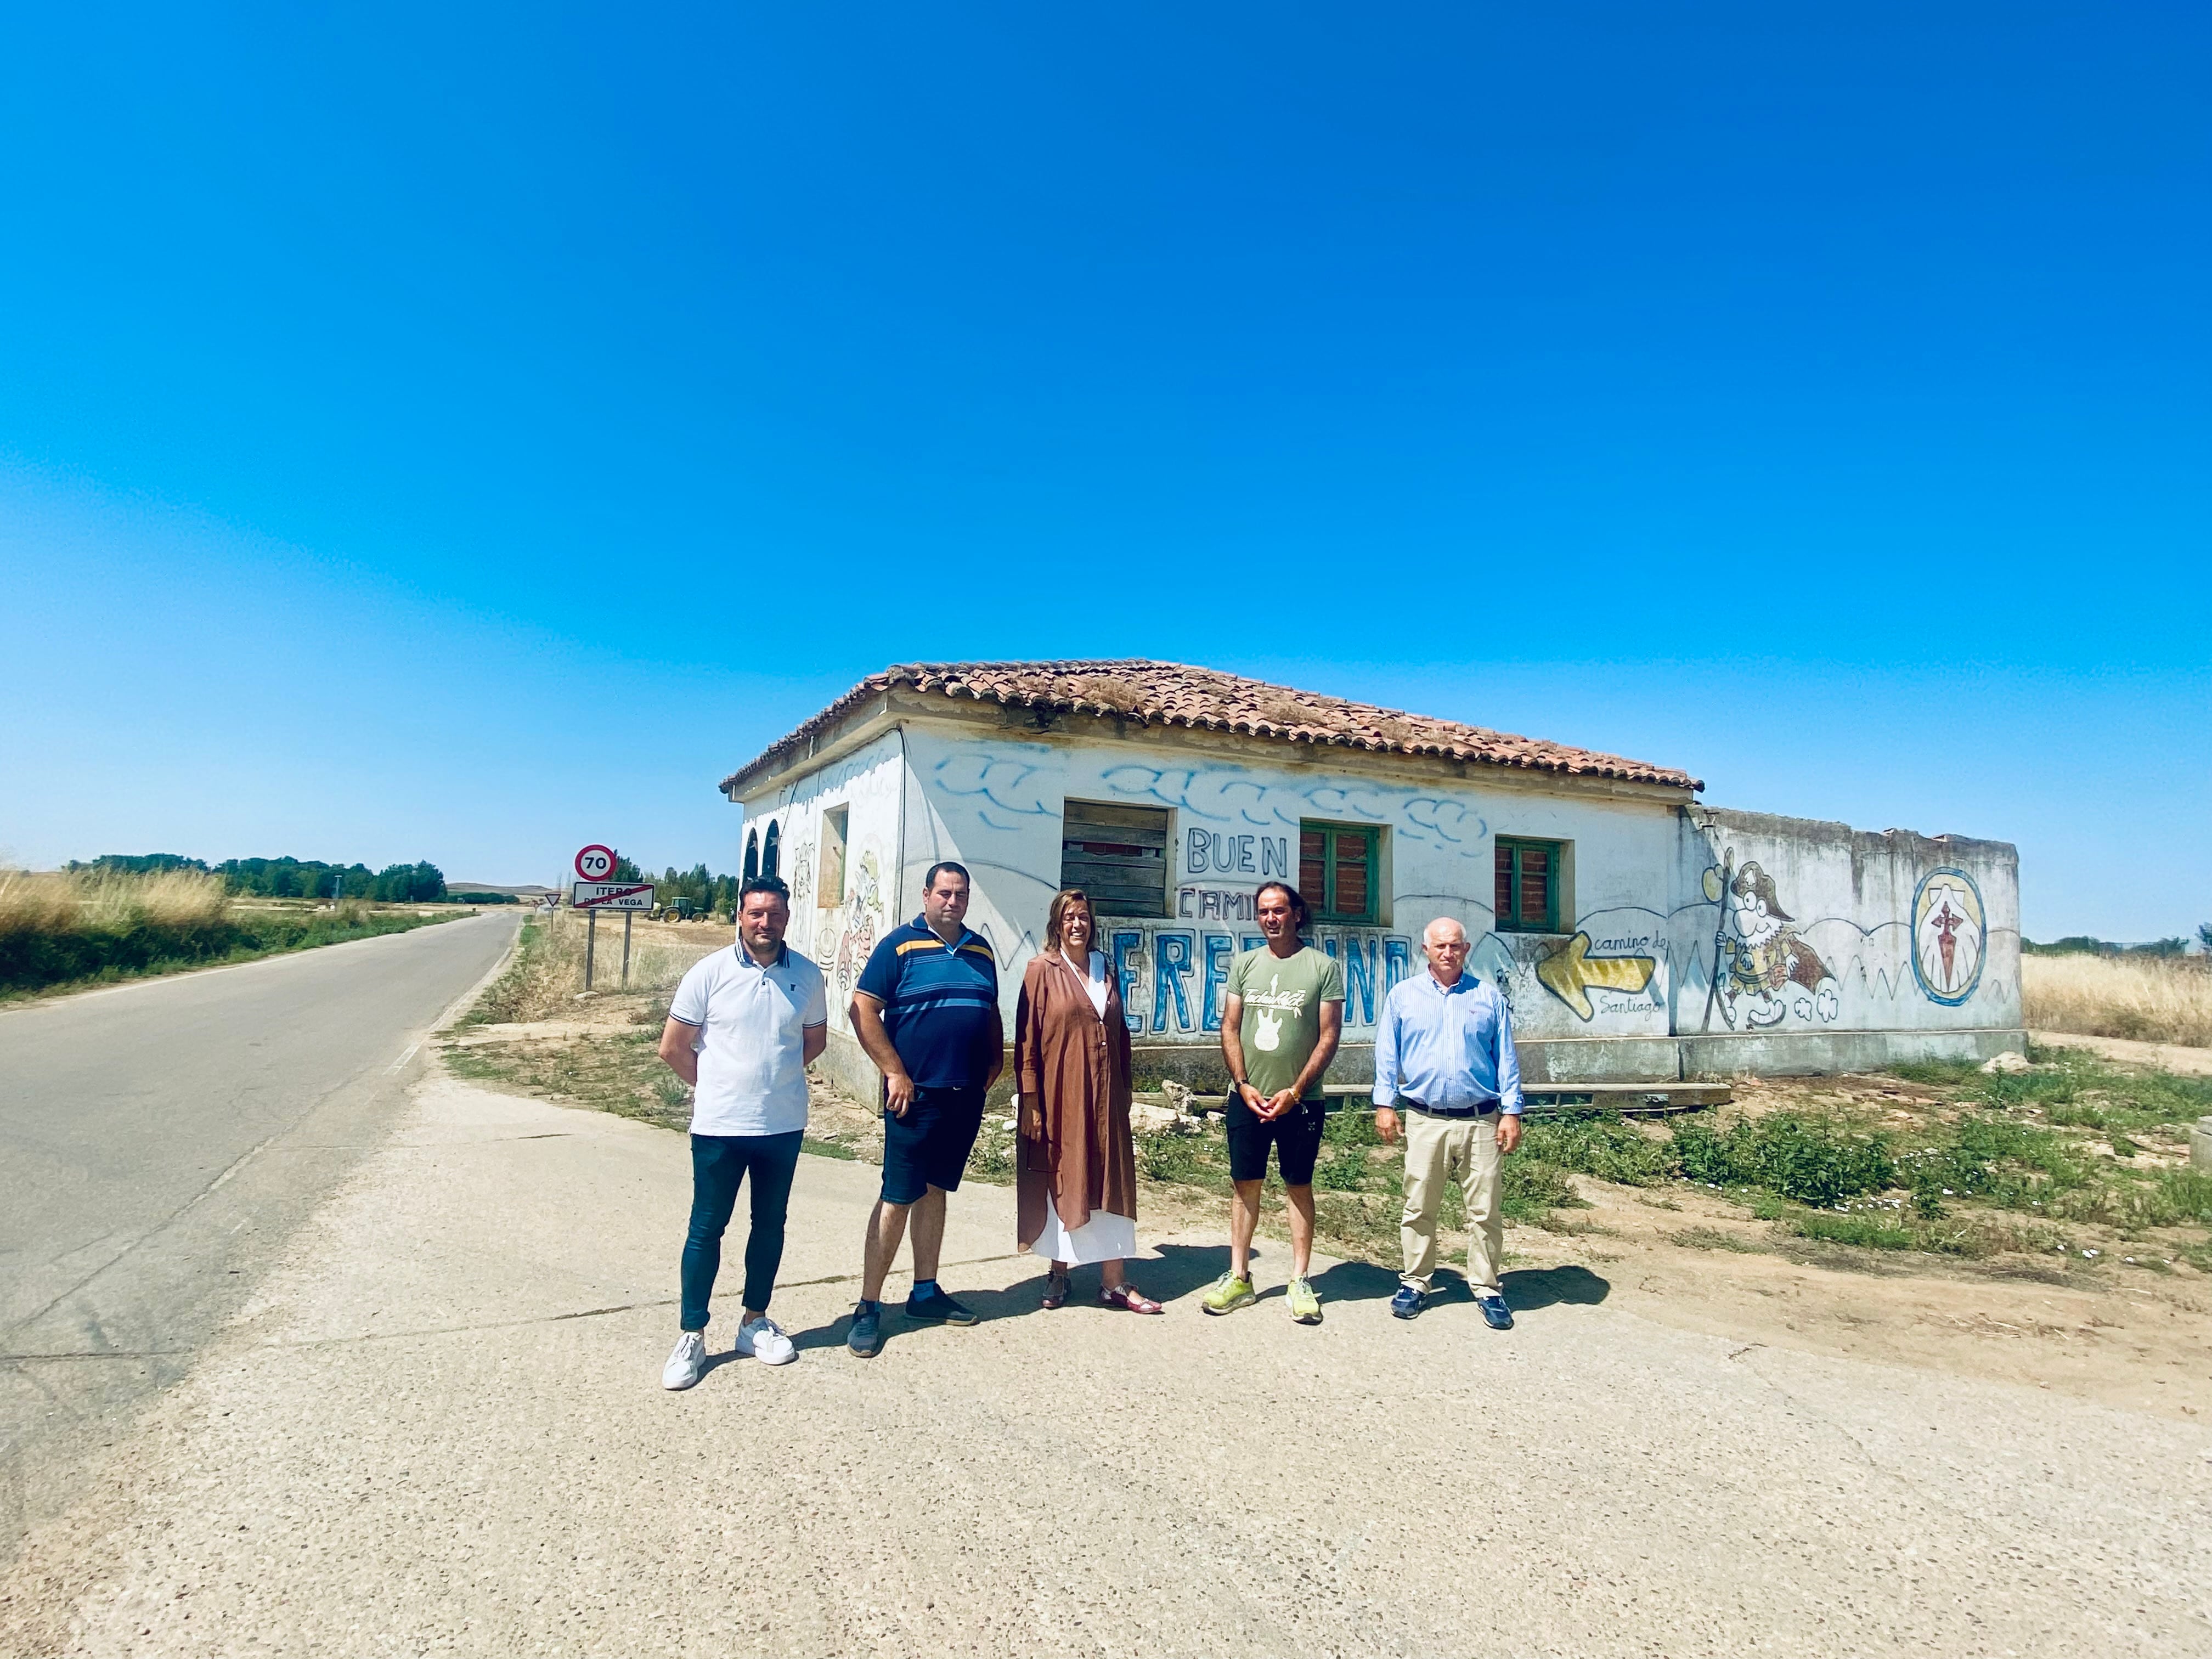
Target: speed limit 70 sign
point(595, 862)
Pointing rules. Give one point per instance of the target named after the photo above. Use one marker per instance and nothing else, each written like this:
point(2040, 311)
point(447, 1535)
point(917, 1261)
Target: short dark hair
point(752, 884)
point(929, 881)
point(1299, 912)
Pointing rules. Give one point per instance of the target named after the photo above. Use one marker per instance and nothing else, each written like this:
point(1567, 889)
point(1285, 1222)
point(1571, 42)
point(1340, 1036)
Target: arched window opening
point(769, 850)
point(752, 854)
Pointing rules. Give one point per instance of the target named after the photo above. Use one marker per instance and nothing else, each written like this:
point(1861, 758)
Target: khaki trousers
point(1441, 1149)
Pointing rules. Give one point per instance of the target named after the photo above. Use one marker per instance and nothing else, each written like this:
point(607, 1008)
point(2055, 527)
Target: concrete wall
point(839, 929)
point(1843, 948)
point(1835, 946)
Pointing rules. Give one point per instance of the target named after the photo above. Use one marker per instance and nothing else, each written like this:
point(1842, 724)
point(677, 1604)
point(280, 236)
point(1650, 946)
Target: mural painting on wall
point(856, 927)
point(802, 875)
point(1763, 969)
point(1950, 936)
point(1174, 979)
point(1571, 972)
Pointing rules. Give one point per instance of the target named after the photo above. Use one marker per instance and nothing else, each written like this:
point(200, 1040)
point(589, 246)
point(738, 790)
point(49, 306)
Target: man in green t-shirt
point(1279, 1028)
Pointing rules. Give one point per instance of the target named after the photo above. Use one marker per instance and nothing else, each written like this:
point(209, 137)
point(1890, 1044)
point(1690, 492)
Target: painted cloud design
point(1008, 782)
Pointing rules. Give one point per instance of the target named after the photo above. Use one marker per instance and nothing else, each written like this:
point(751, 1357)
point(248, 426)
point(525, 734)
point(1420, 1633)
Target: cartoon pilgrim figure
point(1771, 971)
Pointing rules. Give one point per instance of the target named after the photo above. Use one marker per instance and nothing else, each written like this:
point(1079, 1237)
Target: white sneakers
point(763, 1339)
point(685, 1361)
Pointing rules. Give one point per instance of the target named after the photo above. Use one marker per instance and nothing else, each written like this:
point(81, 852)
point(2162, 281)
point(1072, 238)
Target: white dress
point(1105, 1237)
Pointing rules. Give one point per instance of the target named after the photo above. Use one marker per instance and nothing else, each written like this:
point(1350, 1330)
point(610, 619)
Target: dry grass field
point(64, 902)
point(2147, 1000)
point(66, 927)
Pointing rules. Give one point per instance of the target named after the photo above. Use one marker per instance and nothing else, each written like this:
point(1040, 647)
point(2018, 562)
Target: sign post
point(593, 892)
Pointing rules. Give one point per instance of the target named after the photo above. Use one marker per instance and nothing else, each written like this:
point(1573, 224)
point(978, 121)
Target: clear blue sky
point(463, 437)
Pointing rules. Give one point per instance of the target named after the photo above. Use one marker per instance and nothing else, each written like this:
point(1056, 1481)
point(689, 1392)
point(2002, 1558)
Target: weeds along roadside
point(60, 930)
point(544, 979)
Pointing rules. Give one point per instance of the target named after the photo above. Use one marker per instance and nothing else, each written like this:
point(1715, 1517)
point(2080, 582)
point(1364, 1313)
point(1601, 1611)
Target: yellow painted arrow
point(1570, 971)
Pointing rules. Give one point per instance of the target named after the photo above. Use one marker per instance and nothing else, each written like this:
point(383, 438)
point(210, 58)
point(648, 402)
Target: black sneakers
point(934, 1307)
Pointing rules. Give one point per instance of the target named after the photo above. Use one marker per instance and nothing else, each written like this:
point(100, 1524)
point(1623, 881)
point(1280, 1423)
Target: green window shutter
point(1527, 891)
point(1339, 871)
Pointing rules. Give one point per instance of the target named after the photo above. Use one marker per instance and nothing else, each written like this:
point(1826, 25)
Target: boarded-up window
point(1118, 855)
point(830, 889)
point(1528, 898)
point(1338, 870)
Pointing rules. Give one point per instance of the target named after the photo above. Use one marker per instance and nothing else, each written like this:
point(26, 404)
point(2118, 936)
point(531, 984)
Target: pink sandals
point(1129, 1296)
point(1055, 1288)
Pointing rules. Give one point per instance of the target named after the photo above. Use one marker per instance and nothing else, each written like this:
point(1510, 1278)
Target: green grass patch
point(2003, 1161)
point(1528, 1190)
point(1795, 1157)
point(1868, 1232)
point(1601, 1144)
point(2073, 1088)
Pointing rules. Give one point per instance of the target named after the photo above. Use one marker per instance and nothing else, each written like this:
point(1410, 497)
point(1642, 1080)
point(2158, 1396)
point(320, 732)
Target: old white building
point(1601, 893)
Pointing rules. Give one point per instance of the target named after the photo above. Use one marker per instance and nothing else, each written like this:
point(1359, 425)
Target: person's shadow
point(1530, 1288)
point(1179, 1270)
point(1356, 1281)
point(1183, 1270)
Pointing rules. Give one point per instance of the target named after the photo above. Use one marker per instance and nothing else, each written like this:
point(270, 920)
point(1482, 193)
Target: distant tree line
point(289, 878)
point(2078, 944)
point(700, 885)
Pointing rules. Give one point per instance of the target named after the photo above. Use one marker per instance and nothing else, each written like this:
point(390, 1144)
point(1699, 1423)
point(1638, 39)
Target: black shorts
point(929, 1146)
point(1295, 1137)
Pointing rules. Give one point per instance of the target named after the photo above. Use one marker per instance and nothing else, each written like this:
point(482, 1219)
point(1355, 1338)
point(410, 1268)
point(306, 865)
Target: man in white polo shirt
point(743, 1027)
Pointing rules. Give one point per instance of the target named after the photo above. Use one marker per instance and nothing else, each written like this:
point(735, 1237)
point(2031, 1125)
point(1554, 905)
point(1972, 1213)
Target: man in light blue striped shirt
point(1443, 1057)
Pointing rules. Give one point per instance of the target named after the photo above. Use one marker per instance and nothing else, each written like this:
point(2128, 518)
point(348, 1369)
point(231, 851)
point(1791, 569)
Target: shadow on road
point(1548, 1287)
point(1356, 1281)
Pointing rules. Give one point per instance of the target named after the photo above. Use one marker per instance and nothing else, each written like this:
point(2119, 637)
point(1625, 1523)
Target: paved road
point(442, 1432)
point(160, 1143)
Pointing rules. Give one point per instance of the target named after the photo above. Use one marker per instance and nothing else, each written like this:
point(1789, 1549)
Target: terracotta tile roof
point(1174, 694)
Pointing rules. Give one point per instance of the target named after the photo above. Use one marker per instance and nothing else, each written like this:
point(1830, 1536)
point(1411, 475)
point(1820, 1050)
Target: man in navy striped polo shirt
point(927, 1010)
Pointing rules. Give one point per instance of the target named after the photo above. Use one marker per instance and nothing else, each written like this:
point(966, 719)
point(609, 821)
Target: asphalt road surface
point(440, 1429)
point(160, 1143)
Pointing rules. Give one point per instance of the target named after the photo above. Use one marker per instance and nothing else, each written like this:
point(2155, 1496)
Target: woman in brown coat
point(1076, 1167)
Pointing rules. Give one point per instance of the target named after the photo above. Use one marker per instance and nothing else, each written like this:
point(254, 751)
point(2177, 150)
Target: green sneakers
point(1227, 1294)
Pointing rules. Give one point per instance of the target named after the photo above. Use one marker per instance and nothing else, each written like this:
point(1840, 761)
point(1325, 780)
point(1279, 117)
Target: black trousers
point(719, 1164)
